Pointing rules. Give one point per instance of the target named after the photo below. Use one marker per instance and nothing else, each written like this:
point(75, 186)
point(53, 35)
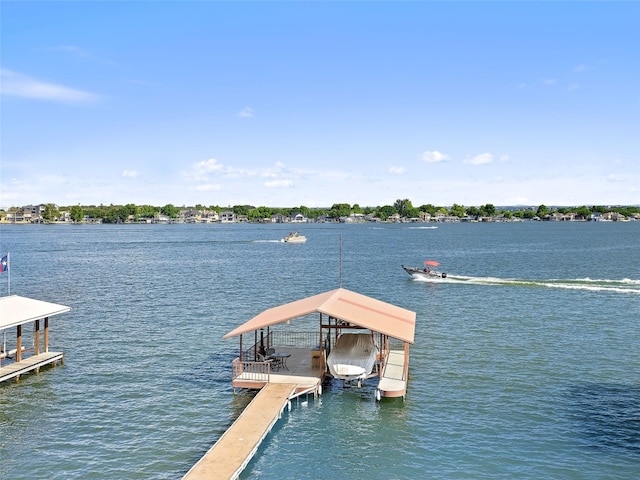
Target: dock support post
point(46, 334)
point(36, 334)
point(36, 340)
point(18, 343)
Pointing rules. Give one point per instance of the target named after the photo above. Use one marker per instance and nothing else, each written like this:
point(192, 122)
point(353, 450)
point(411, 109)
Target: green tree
point(457, 210)
point(147, 211)
point(384, 212)
point(542, 211)
point(403, 206)
point(473, 212)
point(170, 211)
point(50, 212)
point(340, 210)
point(241, 209)
point(412, 212)
point(428, 208)
point(77, 213)
point(583, 211)
point(257, 214)
point(304, 211)
point(488, 210)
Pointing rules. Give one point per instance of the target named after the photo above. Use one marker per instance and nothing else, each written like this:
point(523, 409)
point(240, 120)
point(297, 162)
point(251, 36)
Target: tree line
point(402, 207)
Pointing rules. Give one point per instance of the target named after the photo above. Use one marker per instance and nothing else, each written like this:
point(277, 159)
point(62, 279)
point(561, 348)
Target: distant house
point(279, 218)
point(614, 217)
point(210, 216)
point(298, 218)
point(191, 216)
point(227, 217)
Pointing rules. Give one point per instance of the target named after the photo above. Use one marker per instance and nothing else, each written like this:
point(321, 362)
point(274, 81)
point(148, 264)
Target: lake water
point(526, 363)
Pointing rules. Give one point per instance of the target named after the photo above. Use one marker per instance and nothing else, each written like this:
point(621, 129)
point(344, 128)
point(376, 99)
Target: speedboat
point(352, 357)
point(294, 237)
point(428, 270)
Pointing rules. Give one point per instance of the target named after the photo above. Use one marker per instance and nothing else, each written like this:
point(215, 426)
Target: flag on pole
point(4, 263)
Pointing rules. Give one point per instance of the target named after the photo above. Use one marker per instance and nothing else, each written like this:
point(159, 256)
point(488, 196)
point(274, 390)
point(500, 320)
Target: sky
point(285, 104)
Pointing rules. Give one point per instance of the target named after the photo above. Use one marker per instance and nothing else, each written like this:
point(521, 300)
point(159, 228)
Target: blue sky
point(284, 104)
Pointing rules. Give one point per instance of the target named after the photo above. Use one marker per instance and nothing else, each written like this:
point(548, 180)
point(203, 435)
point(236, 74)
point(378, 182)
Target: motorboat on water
point(428, 270)
point(294, 237)
point(353, 357)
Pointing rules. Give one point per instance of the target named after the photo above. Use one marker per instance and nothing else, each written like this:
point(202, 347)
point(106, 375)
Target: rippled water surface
point(526, 362)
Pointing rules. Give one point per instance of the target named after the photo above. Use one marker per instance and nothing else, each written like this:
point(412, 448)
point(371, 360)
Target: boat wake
point(624, 285)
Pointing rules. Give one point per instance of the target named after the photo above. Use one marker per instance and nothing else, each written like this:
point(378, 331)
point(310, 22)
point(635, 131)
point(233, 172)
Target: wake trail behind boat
point(624, 285)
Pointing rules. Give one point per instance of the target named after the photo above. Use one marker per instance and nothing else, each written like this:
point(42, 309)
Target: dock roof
point(16, 310)
point(360, 310)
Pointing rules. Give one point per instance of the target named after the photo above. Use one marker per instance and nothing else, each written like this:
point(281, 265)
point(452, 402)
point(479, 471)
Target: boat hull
point(293, 237)
point(353, 357)
point(423, 273)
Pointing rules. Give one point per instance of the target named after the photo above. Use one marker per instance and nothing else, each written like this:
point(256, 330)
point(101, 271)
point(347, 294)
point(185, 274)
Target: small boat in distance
point(428, 271)
point(293, 237)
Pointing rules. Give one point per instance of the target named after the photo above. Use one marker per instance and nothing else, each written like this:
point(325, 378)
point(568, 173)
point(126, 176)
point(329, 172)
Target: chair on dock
point(265, 359)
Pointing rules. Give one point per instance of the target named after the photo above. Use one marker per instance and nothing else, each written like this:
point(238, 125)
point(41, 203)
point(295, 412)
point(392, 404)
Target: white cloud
point(201, 170)
point(209, 187)
point(246, 112)
point(482, 159)
point(18, 85)
point(434, 157)
point(549, 82)
point(130, 173)
point(279, 184)
point(397, 170)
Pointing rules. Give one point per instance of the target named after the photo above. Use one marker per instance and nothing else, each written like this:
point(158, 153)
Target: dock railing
point(285, 338)
point(251, 371)
point(282, 338)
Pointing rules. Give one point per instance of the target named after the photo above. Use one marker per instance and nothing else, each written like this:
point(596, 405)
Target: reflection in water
point(608, 416)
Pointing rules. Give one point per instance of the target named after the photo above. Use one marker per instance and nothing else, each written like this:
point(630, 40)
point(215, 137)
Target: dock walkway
point(235, 448)
point(34, 362)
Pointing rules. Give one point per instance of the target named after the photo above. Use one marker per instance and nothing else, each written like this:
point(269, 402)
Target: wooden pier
point(15, 312)
point(233, 451)
point(33, 363)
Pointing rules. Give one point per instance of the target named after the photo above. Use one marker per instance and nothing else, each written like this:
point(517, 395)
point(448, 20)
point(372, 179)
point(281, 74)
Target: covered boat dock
point(284, 364)
point(20, 358)
point(305, 352)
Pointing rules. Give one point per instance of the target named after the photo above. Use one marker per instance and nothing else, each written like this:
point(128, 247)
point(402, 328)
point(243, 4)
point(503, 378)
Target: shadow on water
point(607, 416)
point(213, 372)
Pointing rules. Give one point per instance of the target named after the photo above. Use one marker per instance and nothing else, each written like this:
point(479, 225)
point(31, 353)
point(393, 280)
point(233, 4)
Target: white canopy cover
point(16, 310)
point(353, 356)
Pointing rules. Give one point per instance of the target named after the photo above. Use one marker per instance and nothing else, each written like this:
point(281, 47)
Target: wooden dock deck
point(34, 362)
point(235, 448)
point(393, 382)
